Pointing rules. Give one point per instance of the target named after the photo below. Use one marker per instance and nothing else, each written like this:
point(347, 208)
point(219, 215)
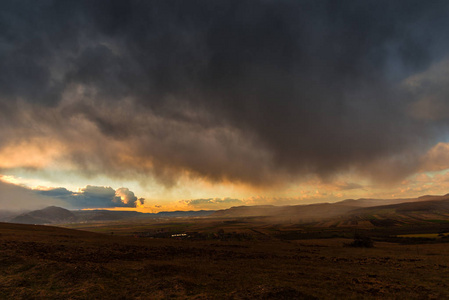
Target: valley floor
point(39, 262)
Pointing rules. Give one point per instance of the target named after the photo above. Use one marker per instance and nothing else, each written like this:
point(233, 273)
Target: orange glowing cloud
point(34, 153)
point(437, 158)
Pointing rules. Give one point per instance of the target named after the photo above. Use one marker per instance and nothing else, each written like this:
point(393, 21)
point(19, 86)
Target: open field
point(424, 235)
point(51, 262)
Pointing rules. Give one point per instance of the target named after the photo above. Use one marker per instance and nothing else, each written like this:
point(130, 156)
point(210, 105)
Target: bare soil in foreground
point(44, 262)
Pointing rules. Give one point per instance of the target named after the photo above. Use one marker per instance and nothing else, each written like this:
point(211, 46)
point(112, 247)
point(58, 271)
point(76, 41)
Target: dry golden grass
point(42, 262)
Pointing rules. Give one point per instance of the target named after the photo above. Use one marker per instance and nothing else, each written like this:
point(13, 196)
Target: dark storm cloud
point(94, 197)
point(248, 91)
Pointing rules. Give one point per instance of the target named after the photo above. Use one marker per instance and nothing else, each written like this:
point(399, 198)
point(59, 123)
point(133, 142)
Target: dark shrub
point(361, 241)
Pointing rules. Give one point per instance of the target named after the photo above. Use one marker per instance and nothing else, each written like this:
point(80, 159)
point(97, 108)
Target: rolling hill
point(404, 213)
point(48, 215)
point(351, 212)
point(58, 215)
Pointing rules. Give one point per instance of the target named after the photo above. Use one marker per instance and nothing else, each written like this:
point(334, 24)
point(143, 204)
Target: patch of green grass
point(420, 235)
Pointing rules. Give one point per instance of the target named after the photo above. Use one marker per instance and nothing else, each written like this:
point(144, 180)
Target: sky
point(188, 105)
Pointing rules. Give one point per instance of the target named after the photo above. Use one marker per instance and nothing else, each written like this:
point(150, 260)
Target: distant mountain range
point(51, 214)
point(7, 215)
point(350, 211)
point(58, 215)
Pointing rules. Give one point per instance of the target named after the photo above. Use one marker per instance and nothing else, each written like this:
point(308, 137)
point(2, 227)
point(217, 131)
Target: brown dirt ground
point(43, 262)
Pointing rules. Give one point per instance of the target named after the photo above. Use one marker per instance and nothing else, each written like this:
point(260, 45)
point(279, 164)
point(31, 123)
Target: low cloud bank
point(94, 197)
point(14, 197)
point(212, 203)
